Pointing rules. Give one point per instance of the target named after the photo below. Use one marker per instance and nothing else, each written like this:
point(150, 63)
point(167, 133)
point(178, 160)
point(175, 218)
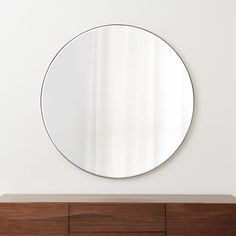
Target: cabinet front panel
point(118, 234)
point(201, 219)
point(33, 219)
point(117, 217)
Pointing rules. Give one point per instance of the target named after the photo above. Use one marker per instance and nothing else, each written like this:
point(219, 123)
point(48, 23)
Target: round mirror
point(117, 101)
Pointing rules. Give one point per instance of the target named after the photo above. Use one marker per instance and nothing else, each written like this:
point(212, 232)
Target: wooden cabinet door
point(118, 234)
point(33, 219)
point(201, 219)
point(117, 219)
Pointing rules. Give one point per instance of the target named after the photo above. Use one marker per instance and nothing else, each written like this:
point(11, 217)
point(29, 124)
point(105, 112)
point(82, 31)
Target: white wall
point(204, 34)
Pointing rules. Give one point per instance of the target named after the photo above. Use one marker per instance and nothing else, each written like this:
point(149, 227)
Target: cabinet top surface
point(130, 198)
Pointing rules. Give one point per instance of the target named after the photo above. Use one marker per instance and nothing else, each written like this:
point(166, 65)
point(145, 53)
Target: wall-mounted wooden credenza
point(117, 215)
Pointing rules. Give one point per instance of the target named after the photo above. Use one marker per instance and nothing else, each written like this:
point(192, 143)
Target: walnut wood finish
point(201, 219)
point(117, 217)
point(118, 234)
point(37, 219)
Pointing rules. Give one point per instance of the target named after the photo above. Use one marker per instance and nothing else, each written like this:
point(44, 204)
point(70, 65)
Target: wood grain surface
point(33, 219)
point(117, 217)
point(201, 219)
point(118, 234)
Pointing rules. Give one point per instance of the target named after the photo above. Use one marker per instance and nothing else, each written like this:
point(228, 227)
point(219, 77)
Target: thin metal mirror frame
point(41, 102)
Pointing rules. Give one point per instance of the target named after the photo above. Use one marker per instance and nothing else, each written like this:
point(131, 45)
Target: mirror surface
point(117, 101)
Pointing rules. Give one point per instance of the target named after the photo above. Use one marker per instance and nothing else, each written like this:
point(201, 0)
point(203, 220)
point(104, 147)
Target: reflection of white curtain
point(121, 106)
point(120, 119)
point(135, 114)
